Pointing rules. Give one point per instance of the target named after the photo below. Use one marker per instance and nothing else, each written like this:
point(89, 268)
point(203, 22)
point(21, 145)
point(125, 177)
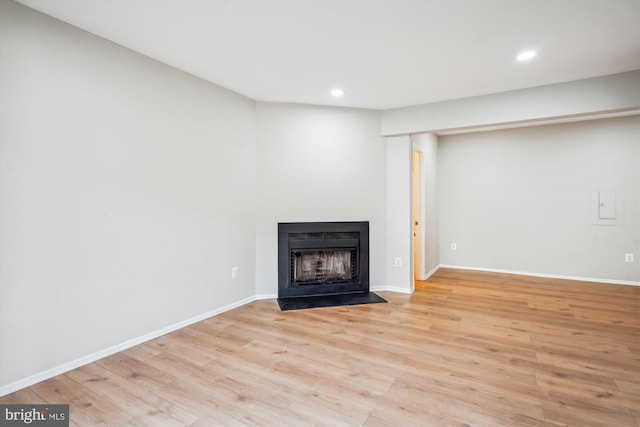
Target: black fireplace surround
point(323, 259)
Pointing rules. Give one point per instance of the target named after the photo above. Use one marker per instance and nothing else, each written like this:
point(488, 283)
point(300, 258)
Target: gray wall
point(127, 194)
point(318, 164)
point(523, 199)
point(399, 215)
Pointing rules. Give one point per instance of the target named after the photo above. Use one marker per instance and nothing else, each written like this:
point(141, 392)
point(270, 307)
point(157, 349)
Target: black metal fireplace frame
point(323, 236)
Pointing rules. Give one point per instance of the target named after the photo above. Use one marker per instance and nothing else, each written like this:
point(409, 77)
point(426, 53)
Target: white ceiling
point(384, 53)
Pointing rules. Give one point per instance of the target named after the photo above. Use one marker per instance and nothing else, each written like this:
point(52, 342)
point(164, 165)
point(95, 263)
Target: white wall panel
point(523, 199)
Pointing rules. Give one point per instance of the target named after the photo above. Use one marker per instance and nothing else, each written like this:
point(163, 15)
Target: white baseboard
point(430, 273)
point(266, 296)
point(391, 289)
point(66, 367)
point(549, 276)
point(404, 290)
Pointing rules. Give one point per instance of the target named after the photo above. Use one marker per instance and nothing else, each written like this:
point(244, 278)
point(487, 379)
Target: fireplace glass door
point(322, 258)
point(323, 266)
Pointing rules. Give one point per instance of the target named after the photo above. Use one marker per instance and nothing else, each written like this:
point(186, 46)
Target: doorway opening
point(418, 213)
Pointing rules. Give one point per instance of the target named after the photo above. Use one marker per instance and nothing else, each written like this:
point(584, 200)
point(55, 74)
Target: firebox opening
point(323, 266)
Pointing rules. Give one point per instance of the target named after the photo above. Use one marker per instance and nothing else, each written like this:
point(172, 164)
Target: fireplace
point(322, 259)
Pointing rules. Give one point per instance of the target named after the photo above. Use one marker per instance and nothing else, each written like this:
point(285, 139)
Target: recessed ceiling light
point(337, 92)
point(526, 55)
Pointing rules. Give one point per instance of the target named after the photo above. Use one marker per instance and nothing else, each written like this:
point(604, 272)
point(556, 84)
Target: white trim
point(66, 367)
point(433, 270)
point(426, 276)
point(266, 296)
point(391, 289)
point(549, 276)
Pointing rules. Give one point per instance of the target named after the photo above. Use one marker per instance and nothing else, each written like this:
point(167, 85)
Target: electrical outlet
point(628, 258)
point(398, 262)
point(454, 247)
point(234, 272)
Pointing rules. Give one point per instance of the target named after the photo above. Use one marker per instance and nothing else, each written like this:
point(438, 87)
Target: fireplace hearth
point(323, 264)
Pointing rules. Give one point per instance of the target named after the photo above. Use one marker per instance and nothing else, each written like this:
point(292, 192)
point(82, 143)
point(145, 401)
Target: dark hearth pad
point(300, 303)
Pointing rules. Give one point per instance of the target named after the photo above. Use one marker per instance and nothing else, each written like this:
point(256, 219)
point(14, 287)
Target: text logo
point(34, 415)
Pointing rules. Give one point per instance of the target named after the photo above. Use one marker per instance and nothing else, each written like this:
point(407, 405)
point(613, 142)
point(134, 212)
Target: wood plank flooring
point(466, 349)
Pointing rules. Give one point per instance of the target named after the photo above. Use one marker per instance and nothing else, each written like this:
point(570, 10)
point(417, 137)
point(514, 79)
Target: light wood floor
point(467, 348)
